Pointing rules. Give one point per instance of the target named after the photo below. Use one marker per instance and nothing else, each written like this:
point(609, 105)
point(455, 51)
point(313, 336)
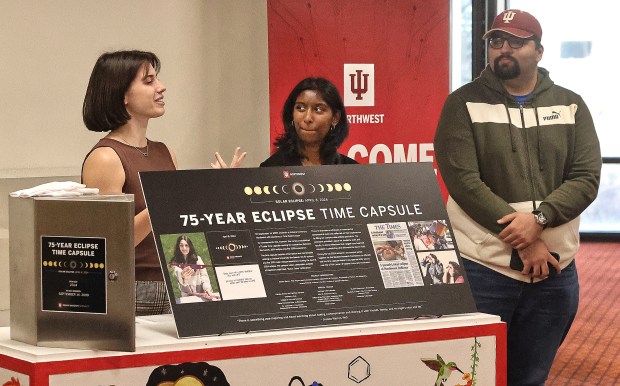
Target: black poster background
point(73, 275)
point(315, 269)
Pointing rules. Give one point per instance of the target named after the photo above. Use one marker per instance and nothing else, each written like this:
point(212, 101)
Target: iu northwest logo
point(359, 84)
point(508, 16)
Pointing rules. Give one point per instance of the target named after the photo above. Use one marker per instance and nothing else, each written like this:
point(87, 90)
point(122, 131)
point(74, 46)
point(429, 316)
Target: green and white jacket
point(497, 157)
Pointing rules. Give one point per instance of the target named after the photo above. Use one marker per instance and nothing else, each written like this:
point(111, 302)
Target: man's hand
point(535, 258)
point(521, 231)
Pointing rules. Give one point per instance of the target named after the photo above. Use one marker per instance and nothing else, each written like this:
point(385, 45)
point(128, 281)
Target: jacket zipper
point(529, 161)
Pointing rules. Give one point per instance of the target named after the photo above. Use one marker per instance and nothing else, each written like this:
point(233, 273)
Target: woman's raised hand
point(235, 163)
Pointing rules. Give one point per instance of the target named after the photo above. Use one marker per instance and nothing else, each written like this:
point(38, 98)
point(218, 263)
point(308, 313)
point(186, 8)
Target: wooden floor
point(591, 351)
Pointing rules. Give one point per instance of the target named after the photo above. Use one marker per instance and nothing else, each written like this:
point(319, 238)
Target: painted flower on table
point(466, 377)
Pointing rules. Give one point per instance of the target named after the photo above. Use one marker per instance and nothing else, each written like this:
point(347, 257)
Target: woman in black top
point(315, 125)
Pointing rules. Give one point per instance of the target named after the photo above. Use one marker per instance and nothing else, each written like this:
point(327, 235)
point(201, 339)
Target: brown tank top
point(134, 161)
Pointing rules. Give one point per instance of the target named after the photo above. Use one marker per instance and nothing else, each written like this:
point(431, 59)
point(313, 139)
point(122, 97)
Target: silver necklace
point(144, 153)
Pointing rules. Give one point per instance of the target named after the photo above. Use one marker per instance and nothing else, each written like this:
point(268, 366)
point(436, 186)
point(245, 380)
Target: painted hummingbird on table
point(443, 369)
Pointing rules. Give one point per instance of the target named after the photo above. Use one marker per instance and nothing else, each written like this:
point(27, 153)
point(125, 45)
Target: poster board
point(289, 247)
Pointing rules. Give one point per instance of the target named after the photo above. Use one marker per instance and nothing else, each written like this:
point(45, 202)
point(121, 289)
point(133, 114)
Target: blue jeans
point(537, 315)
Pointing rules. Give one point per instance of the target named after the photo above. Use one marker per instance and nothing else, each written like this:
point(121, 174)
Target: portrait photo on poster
point(430, 235)
point(189, 267)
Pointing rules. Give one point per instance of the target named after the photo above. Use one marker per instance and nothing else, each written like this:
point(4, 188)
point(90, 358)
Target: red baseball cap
point(517, 23)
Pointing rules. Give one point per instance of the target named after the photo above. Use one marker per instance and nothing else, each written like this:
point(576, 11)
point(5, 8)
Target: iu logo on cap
point(508, 16)
point(359, 84)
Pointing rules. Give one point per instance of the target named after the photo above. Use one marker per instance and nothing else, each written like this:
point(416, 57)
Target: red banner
point(389, 59)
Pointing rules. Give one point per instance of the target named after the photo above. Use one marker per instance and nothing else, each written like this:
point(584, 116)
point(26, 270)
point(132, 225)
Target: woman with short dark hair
point(123, 94)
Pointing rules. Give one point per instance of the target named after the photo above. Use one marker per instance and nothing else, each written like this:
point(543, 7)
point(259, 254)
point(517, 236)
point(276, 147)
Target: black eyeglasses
point(513, 42)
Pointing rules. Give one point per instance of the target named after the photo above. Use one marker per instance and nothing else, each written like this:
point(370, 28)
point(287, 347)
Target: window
point(577, 43)
point(461, 47)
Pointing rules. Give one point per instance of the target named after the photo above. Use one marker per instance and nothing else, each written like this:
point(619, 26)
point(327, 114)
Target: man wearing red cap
point(521, 161)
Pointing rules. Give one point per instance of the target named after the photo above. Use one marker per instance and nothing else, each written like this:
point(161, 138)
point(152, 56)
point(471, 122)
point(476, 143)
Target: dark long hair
point(104, 102)
point(435, 259)
point(178, 258)
point(457, 269)
point(288, 142)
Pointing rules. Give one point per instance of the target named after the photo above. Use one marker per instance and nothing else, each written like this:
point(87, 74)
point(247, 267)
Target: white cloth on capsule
point(56, 189)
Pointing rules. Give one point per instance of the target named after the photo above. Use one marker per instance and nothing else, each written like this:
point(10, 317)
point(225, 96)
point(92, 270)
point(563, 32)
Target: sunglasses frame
point(513, 41)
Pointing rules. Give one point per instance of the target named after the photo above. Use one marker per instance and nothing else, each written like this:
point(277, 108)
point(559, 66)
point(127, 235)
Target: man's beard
point(506, 72)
